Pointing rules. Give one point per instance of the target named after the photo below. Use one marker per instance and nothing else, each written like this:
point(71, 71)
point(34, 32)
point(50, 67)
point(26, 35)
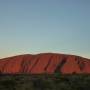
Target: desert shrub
point(45, 82)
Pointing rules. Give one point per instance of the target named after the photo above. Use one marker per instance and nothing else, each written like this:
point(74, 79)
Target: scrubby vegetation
point(44, 82)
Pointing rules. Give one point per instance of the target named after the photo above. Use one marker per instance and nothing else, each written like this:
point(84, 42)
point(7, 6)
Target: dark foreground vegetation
point(44, 82)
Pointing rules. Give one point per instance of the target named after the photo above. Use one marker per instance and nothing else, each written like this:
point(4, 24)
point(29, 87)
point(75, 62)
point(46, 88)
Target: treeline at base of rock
point(44, 82)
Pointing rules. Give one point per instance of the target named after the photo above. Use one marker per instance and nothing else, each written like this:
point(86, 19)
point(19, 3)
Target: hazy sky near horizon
point(34, 26)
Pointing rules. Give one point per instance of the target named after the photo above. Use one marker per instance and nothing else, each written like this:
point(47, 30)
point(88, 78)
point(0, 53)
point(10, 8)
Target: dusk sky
point(35, 26)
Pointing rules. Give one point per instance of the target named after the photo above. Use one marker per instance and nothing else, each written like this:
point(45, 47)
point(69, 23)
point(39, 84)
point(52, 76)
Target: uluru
point(45, 63)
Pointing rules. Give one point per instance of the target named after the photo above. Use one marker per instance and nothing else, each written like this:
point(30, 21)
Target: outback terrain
point(45, 71)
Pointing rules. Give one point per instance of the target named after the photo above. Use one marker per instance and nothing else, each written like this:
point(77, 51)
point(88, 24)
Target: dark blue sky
point(34, 26)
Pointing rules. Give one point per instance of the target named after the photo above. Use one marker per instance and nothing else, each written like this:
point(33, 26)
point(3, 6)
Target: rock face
point(45, 63)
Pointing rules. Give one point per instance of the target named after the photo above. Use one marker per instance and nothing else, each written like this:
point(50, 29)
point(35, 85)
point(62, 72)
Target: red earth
point(45, 63)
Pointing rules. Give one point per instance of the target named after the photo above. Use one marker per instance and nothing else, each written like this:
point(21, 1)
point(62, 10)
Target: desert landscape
point(44, 44)
point(45, 71)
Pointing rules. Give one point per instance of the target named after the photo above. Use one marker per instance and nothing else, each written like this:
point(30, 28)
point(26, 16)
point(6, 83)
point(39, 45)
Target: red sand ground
point(45, 63)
